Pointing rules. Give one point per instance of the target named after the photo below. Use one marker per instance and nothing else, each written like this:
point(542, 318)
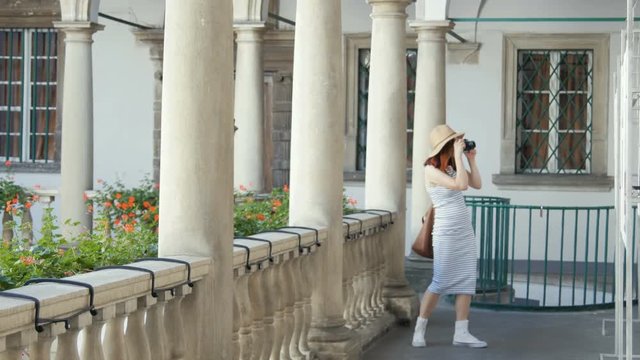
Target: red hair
point(443, 159)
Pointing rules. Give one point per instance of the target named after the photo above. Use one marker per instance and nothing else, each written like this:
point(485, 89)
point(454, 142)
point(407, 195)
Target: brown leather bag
point(423, 245)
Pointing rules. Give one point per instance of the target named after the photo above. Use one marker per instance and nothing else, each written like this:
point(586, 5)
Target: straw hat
point(440, 136)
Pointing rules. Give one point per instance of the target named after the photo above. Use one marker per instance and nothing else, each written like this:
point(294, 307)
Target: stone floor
point(511, 335)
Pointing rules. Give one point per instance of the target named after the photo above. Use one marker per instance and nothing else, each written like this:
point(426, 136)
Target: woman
point(455, 254)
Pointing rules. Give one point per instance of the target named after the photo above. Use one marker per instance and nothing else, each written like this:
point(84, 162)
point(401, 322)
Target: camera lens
point(469, 145)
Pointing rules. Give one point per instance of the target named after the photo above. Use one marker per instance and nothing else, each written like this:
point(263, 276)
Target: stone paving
point(511, 335)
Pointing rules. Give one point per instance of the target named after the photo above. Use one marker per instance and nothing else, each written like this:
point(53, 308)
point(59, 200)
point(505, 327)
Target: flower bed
point(125, 229)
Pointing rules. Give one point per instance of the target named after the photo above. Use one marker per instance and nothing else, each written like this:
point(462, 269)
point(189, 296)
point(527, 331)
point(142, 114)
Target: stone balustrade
point(274, 275)
point(274, 282)
point(147, 295)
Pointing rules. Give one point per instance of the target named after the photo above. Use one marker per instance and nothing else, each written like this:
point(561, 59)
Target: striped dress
point(454, 245)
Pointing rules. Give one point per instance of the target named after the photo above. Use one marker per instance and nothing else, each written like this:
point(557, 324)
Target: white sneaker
point(418, 340)
point(462, 337)
point(419, 333)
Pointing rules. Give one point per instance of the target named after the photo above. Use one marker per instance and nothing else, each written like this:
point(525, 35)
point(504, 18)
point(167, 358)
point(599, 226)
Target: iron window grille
point(554, 105)
point(28, 94)
point(363, 100)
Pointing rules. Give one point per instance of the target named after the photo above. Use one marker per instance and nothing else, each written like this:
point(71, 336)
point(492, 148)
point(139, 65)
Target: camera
point(469, 145)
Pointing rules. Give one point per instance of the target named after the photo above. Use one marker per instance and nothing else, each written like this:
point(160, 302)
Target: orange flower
point(107, 204)
point(277, 203)
point(27, 205)
point(152, 209)
point(15, 200)
point(118, 205)
point(124, 206)
point(260, 217)
point(7, 208)
point(125, 217)
point(118, 196)
point(131, 199)
point(117, 222)
point(156, 217)
point(285, 188)
point(132, 215)
point(146, 204)
point(128, 228)
point(27, 260)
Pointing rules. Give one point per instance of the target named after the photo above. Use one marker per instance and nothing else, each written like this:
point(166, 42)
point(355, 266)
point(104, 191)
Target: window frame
point(508, 178)
point(24, 16)
point(352, 44)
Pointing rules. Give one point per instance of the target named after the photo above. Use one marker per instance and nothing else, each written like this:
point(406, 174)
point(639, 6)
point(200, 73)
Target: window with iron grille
point(28, 95)
point(554, 106)
point(363, 97)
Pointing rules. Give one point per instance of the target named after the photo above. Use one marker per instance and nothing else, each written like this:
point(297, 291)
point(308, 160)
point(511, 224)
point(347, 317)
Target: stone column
point(154, 39)
point(196, 177)
point(316, 165)
point(249, 108)
point(76, 163)
point(430, 108)
point(386, 179)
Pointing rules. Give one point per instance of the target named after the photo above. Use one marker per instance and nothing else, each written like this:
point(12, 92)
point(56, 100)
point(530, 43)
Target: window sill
point(537, 182)
point(51, 168)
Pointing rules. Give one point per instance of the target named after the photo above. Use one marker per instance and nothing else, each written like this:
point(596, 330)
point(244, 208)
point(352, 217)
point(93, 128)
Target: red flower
point(277, 203)
point(128, 228)
point(27, 205)
point(156, 217)
point(117, 222)
point(131, 199)
point(260, 217)
point(118, 196)
point(146, 204)
point(107, 204)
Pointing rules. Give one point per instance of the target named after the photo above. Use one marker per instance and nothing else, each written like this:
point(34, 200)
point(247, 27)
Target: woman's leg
point(429, 302)
point(462, 337)
point(463, 303)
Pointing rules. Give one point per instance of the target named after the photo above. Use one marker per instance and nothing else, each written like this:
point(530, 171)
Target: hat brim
point(444, 142)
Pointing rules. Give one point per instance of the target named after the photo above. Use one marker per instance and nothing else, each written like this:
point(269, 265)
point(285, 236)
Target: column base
point(334, 343)
point(402, 302)
point(370, 333)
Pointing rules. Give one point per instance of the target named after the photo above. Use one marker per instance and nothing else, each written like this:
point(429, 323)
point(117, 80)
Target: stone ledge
point(553, 182)
point(111, 287)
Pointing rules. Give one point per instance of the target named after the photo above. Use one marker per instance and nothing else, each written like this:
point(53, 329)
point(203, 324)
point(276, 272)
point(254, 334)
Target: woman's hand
point(471, 155)
point(458, 148)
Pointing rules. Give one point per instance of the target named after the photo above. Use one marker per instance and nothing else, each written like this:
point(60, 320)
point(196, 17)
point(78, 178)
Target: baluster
point(245, 316)
point(358, 286)
point(306, 267)
point(27, 230)
point(68, 341)
point(380, 271)
point(256, 295)
point(174, 324)
point(288, 295)
point(278, 314)
point(136, 336)
point(114, 342)
point(298, 308)
point(352, 288)
point(41, 350)
point(235, 336)
point(155, 327)
point(191, 313)
point(347, 284)
point(17, 343)
point(369, 258)
point(367, 284)
point(269, 310)
point(7, 231)
point(91, 346)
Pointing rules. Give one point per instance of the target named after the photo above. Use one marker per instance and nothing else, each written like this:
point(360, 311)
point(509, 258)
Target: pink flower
point(37, 186)
point(7, 163)
point(242, 188)
point(351, 201)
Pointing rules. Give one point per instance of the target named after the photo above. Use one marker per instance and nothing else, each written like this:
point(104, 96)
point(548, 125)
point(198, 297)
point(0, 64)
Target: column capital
point(81, 28)
point(249, 31)
point(429, 30)
point(154, 38)
point(388, 8)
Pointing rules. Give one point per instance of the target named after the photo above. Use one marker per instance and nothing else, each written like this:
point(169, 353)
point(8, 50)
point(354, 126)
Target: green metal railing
point(544, 257)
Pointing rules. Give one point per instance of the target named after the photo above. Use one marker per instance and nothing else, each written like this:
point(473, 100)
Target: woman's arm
point(474, 175)
point(460, 182)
